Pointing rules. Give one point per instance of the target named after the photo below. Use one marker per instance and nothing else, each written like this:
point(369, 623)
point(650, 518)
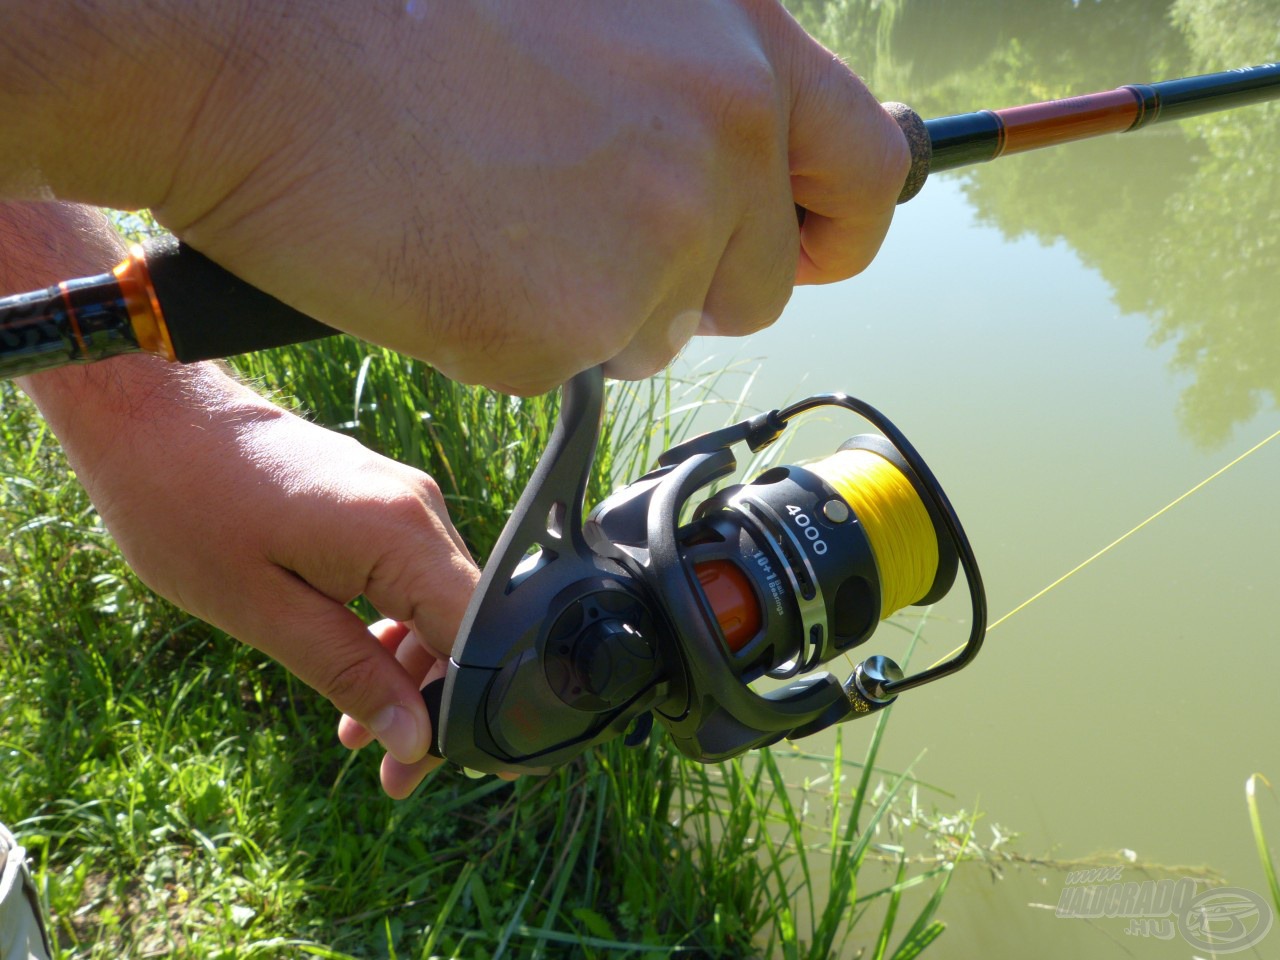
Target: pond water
point(1073, 339)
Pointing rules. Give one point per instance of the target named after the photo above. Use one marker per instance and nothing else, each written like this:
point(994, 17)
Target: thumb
point(331, 650)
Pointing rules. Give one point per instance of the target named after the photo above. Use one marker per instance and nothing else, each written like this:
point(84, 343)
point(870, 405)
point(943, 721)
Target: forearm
point(91, 407)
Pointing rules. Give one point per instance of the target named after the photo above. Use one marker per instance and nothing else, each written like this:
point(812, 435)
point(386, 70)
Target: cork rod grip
point(918, 141)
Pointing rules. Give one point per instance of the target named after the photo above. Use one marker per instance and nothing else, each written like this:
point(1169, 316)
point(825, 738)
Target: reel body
point(582, 628)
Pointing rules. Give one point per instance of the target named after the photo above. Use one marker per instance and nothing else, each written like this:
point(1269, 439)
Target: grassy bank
point(182, 795)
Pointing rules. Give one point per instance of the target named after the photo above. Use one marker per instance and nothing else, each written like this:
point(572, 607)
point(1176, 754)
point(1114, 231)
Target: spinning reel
point(582, 630)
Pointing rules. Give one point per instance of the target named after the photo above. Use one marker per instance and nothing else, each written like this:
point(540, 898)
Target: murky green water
point(1090, 331)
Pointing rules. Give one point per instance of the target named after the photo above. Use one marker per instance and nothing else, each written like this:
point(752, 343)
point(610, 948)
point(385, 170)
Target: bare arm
point(248, 516)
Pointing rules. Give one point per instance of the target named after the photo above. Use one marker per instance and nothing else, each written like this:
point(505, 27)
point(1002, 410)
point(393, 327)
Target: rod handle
point(212, 313)
point(918, 141)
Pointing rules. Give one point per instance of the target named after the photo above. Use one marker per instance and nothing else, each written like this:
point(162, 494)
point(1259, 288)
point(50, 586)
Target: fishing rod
point(168, 300)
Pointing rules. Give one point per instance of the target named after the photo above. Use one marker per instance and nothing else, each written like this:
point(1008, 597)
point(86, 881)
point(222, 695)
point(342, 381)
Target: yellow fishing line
point(1119, 540)
point(894, 518)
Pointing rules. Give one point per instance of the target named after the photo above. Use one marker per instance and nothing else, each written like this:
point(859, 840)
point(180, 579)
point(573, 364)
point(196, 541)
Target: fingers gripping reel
point(582, 627)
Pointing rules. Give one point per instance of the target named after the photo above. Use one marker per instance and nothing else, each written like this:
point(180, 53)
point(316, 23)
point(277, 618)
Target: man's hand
point(266, 525)
point(249, 517)
point(511, 191)
point(400, 640)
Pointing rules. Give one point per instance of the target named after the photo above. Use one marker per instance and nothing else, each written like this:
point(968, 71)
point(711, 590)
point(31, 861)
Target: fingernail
point(399, 731)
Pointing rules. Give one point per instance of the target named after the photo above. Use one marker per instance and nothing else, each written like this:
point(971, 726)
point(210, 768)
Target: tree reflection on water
point(1183, 220)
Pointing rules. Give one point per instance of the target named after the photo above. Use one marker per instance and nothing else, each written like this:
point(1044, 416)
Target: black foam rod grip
point(432, 696)
point(212, 313)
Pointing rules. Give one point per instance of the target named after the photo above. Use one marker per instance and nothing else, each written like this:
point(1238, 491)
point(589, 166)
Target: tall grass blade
point(891, 913)
point(915, 945)
point(446, 909)
point(517, 916)
point(1260, 837)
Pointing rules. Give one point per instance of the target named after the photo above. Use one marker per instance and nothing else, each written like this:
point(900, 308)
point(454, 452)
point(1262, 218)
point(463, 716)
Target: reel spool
point(582, 629)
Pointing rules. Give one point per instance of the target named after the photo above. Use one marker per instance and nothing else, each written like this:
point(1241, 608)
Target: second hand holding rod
point(171, 301)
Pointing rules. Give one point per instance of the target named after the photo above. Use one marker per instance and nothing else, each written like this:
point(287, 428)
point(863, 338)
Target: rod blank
point(967, 138)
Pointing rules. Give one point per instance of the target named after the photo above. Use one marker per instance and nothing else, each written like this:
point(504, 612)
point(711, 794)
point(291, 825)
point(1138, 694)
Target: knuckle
point(745, 105)
point(767, 309)
point(753, 292)
point(530, 369)
point(750, 316)
point(606, 340)
point(473, 348)
point(417, 503)
point(777, 276)
point(634, 366)
point(606, 311)
point(531, 387)
point(348, 685)
point(669, 205)
point(423, 490)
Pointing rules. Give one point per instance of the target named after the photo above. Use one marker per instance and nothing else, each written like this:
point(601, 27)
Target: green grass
point(1260, 836)
point(181, 795)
